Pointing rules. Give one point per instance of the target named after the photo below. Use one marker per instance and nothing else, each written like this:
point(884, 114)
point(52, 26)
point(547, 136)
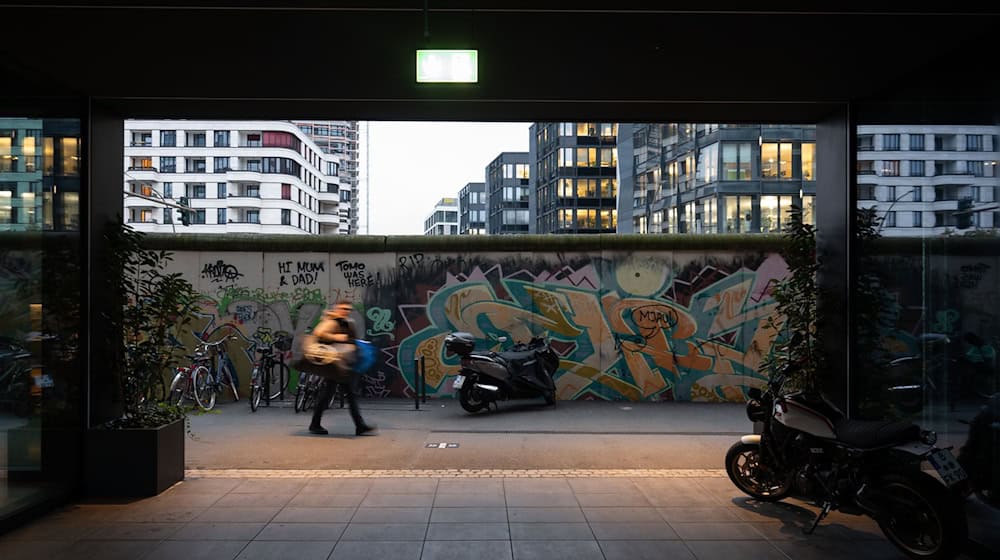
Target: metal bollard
point(423, 379)
point(416, 383)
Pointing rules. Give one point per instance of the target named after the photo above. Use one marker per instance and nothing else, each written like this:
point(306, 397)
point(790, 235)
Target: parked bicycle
point(269, 377)
point(210, 371)
point(309, 388)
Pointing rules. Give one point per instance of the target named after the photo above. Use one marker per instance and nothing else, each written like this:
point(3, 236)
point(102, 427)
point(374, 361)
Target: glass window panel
point(769, 222)
point(769, 160)
point(808, 161)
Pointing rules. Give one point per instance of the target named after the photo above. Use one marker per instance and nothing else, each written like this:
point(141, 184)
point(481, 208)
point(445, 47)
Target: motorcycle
point(525, 371)
point(980, 455)
point(803, 446)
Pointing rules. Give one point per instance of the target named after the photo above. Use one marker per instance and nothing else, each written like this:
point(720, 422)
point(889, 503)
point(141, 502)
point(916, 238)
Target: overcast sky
point(415, 164)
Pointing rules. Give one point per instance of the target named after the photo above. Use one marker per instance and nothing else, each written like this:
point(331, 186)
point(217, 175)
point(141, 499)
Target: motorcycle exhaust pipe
point(490, 388)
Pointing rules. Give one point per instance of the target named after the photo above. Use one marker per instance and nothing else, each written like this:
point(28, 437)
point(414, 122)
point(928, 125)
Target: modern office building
point(718, 178)
point(340, 138)
point(575, 182)
point(443, 220)
point(930, 180)
point(236, 176)
point(472, 207)
point(39, 175)
point(508, 186)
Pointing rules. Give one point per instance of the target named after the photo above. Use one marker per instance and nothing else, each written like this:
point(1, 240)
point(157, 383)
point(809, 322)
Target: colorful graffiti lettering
point(616, 343)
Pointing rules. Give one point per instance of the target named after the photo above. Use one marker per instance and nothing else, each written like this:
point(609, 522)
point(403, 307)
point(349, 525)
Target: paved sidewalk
point(578, 481)
point(431, 518)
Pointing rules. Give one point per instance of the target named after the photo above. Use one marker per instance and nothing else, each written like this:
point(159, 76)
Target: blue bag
point(365, 358)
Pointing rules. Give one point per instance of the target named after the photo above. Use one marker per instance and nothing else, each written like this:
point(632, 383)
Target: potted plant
point(797, 350)
point(141, 452)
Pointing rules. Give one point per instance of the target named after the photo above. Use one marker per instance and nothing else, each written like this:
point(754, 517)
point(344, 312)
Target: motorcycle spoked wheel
point(752, 478)
point(921, 517)
point(471, 398)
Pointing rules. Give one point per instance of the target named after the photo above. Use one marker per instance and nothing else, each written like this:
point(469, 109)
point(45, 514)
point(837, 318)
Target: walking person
point(337, 327)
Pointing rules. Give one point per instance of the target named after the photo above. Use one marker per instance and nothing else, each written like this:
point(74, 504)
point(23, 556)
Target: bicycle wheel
point(278, 380)
point(229, 379)
point(178, 388)
point(204, 388)
point(300, 398)
point(255, 389)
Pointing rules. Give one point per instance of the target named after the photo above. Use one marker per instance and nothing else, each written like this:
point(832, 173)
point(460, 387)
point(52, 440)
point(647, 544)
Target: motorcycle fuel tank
point(800, 417)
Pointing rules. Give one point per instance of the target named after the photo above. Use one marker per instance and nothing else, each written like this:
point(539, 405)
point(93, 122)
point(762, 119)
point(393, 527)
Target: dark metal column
point(835, 203)
point(106, 156)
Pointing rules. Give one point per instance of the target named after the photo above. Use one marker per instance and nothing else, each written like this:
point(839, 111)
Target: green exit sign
point(448, 66)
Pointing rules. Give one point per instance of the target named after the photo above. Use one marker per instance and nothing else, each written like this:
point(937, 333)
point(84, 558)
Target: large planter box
point(134, 462)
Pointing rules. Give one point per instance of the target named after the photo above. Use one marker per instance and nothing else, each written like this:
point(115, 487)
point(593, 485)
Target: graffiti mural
point(628, 326)
point(638, 328)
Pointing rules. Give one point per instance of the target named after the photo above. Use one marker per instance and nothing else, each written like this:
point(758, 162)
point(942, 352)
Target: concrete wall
point(629, 325)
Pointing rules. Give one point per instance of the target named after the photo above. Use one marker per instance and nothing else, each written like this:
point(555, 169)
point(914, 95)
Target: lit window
point(808, 161)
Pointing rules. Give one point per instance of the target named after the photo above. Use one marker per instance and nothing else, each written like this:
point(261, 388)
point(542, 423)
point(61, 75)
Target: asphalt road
point(519, 435)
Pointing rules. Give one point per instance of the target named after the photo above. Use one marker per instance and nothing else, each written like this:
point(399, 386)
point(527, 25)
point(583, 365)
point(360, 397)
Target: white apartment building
point(237, 176)
point(930, 180)
point(339, 137)
point(443, 220)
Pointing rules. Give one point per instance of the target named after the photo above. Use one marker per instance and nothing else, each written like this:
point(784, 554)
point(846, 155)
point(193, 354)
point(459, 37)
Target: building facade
point(508, 186)
point(443, 220)
point(472, 208)
point(39, 175)
point(340, 138)
point(930, 180)
point(575, 179)
point(717, 178)
point(236, 176)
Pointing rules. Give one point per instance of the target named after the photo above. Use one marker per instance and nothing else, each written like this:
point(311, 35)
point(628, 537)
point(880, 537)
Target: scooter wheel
point(471, 399)
point(550, 398)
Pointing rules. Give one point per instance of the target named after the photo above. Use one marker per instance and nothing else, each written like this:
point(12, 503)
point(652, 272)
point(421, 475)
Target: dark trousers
point(326, 393)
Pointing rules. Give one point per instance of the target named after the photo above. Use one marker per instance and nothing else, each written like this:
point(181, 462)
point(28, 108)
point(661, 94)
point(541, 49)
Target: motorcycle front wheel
point(753, 478)
point(921, 517)
point(471, 398)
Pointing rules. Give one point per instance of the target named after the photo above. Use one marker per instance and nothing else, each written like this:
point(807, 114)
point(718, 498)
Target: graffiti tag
point(245, 313)
point(220, 272)
point(303, 273)
point(382, 325)
point(971, 274)
point(356, 275)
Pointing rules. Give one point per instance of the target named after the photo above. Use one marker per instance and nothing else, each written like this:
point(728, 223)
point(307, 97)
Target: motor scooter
point(525, 371)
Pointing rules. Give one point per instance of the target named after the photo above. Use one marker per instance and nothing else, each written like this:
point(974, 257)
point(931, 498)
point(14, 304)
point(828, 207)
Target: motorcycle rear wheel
point(752, 478)
point(471, 398)
point(924, 519)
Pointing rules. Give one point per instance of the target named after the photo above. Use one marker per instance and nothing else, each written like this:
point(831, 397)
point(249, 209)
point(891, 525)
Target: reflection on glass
point(39, 310)
point(937, 332)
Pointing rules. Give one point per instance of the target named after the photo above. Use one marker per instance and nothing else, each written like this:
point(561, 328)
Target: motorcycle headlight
point(928, 436)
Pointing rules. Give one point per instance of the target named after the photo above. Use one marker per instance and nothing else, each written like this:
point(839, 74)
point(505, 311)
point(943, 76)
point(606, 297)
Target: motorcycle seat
point(517, 358)
point(866, 434)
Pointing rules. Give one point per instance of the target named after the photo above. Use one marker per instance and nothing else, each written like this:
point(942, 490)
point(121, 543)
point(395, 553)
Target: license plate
point(947, 467)
point(459, 381)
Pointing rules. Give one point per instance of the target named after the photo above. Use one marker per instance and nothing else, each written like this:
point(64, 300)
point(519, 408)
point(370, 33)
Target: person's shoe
point(364, 429)
point(319, 430)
